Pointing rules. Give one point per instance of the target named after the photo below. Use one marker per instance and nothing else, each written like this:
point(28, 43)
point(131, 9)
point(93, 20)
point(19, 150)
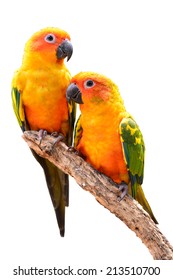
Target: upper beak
point(64, 50)
point(74, 93)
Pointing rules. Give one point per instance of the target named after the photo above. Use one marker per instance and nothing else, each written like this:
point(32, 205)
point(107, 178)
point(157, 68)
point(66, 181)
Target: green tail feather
point(140, 197)
point(58, 187)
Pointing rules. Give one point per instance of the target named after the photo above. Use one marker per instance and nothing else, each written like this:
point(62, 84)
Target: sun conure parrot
point(39, 102)
point(107, 135)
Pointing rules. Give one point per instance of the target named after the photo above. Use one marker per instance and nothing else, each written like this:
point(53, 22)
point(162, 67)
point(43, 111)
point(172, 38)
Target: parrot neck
point(106, 113)
point(37, 61)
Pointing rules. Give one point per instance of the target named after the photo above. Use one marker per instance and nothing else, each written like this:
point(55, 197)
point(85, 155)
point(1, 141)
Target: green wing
point(78, 132)
point(134, 150)
point(18, 108)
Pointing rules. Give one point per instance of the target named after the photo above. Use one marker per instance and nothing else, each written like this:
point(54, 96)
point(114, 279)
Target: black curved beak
point(73, 93)
point(64, 50)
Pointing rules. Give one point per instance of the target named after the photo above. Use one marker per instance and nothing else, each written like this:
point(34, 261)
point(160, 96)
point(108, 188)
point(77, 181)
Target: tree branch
point(105, 191)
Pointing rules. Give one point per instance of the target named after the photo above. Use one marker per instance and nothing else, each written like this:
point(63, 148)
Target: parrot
point(107, 136)
point(39, 103)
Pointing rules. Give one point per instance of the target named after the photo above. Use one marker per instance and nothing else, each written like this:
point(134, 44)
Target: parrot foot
point(123, 189)
point(42, 133)
point(59, 137)
point(55, 134)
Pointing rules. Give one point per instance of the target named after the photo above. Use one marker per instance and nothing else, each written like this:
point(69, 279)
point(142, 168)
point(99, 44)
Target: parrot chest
point(102, 147)
point(45, 103)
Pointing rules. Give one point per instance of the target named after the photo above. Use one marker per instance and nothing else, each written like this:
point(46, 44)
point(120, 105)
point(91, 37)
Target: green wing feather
point(57, 181)
point(134, 150)
point(72, 117)
point(18, 107)
point(78, 132)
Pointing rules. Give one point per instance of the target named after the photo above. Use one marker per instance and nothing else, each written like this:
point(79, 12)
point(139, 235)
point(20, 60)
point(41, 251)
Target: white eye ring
point(89, 84)
point(50, 38)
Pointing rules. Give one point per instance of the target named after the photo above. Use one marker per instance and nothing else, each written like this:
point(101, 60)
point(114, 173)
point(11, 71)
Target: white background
point(130, 42)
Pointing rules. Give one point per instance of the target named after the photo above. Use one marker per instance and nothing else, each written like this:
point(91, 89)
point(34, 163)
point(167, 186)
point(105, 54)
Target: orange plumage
point(42, 81)
point(107, 135)
point(39, 102)
point(100, 121)
point(96, 140)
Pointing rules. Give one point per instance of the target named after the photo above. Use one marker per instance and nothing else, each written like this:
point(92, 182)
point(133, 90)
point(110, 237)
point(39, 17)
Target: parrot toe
point(42, 133)
point(58, 137)
point(54, 134)
point(123, 189)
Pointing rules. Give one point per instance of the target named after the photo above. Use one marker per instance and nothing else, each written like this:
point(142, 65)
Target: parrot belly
point(45, 104)
point(104, 152)
point(50, 115)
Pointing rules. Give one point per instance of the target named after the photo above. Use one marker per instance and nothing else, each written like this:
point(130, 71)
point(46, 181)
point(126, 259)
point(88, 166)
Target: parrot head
point(89, 88)
point(49, 44)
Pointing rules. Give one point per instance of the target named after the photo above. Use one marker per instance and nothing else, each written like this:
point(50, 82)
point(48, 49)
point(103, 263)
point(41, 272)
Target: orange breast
point(51, 115)
point(101, 145)
point(45, 102)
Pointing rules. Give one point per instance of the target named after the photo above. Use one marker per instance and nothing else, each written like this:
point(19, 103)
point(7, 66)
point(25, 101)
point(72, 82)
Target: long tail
point(140, 197)
point(58, 186)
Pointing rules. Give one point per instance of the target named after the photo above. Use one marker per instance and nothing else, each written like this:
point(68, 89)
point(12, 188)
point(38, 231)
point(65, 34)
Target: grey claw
point(123, 189)
point(42, 133)
point(59, 138)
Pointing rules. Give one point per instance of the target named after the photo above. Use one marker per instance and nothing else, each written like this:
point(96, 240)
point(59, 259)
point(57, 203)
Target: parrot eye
point(50, 38)
point(89, 84)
